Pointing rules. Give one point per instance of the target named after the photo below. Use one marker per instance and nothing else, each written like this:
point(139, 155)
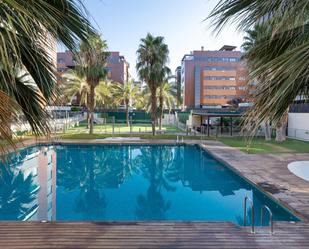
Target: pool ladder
point(264, 208)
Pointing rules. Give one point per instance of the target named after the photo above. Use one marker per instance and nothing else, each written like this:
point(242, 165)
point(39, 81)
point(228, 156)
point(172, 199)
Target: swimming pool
point(127, 183)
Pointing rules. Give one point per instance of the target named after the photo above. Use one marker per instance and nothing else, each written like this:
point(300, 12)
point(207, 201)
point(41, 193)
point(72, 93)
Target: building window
point(210, 68)
point(60, 60)
point(35, 172)
point(216, 59)
point(219, 78)
point(219, 97)
point(242, 88)
point(242, 78)
point(50, 190)
point(220, 87)
point(49, 205)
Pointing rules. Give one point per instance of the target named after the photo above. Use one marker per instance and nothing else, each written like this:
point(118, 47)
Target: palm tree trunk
point(161, 117)
point(91, 107)
point(88, 111)
point(267, 131)
point(127, 113)
point(281, 128)
point(161, 109)
point(153, 109)
point(88, 117)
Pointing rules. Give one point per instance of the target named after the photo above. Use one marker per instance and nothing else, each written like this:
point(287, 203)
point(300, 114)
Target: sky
point(124, 22)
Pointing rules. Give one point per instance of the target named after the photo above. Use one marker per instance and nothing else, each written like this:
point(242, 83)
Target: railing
point(271, 223)
point(252, 213)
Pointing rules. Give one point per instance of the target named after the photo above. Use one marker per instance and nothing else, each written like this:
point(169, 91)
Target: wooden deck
point(220, 235)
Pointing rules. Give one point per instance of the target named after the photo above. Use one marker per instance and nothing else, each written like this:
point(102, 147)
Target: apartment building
point(117, 66)
point(212, 78)
point(65, 61)
point(179, 86)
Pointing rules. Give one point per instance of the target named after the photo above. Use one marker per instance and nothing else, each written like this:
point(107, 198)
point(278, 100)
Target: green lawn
point(142, 136)
point(122, 128)
point(259, 145)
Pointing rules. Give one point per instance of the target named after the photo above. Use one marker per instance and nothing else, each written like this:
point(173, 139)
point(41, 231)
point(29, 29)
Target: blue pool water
point(125, 182)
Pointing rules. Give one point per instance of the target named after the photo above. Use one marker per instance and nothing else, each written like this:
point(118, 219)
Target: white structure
point(300, 169)
point(298, 126)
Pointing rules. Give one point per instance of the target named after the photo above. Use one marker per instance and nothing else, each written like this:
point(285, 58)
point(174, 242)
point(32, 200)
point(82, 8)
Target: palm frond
point(29, 31)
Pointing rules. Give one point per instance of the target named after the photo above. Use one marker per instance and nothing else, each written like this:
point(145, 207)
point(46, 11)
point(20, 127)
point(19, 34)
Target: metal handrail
point(252, 213)
point(271, 223)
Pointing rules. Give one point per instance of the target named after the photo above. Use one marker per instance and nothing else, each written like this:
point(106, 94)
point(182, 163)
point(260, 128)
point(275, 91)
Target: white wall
point(299, 125)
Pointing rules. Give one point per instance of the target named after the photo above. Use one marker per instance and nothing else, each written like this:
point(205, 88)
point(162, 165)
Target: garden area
point(260, 145)
point(122, 128)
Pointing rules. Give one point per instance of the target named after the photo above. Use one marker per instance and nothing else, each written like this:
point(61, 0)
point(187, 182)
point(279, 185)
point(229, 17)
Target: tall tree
point(91, 63)
point(125, 93)
point(28, 31)
point(152, 57)
point(251, 40)
point(283, 58)
point(167, 99)
point(73, 85)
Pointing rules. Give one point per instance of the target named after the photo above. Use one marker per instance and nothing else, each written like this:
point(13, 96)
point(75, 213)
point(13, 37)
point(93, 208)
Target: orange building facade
point(213, 78)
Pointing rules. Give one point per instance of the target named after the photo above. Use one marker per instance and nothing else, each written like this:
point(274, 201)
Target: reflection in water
point(17, 194)
point(124, 183)
point(27, 184)
point(152, 206)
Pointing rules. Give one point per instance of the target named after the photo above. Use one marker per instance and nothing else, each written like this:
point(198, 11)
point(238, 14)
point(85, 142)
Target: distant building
point(213, 78)
point(65, 61)
point(179, 86)
point(117, 66)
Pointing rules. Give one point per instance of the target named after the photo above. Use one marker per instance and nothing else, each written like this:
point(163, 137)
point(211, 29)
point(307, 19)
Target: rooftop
point(227, 48)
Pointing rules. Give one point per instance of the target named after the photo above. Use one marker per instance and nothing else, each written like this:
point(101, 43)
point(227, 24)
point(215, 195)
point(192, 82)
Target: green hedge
point(120, 117)
point(183, 117)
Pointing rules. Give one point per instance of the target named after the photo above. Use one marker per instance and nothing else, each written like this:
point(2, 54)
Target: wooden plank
point(149, 235)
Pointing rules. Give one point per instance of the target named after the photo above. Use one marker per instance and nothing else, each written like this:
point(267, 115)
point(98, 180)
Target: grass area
point(259, 145)
point(142, 136)
point(122, 128)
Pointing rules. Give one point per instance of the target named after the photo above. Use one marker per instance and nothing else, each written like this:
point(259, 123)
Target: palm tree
point(104, 94)
point(152, 56)
point(74, 84)
point(91, 63)
point(125, 93)
point(177, 89)
point(28, 31)
point(166, 97)
point(251, 40)
point(282, 56)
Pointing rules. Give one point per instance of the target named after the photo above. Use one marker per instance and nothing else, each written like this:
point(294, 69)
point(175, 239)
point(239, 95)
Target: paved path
point(270, 172)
